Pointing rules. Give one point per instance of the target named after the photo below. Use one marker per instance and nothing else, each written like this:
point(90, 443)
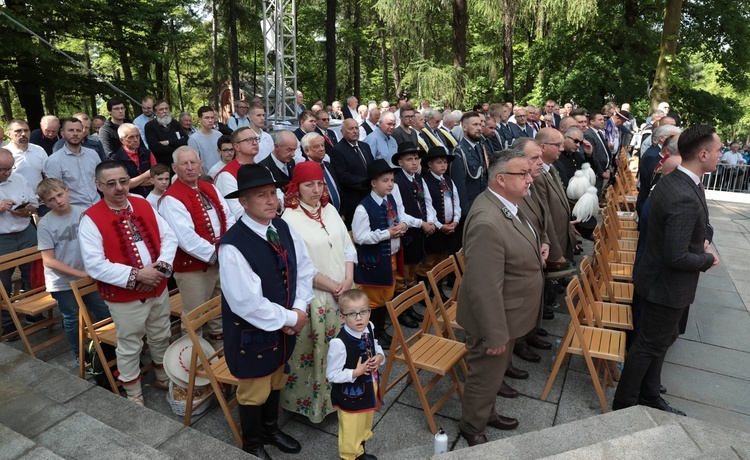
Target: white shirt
point(77, 172)
point(448, 203)
point(335, 371)
point(241, 286)
point(361, 226)
point(730, 157)
point(153, 199)
point(117, 274)
point(265, 146)
point(177, 216)
point(140, 121)
point(215, 169)
point(282, 166)
point(236, 121)
point(411, 221)
point(513, 210)
point(226, 183)
point(690, 174)
point(15, 188)
point(363, 133)
point(29, 163)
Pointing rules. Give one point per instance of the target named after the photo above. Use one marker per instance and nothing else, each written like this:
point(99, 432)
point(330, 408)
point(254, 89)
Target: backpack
point(98, 364)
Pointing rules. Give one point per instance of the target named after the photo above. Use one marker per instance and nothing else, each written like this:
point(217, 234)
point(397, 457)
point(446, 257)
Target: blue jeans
point(9, 243)
point(68, 306)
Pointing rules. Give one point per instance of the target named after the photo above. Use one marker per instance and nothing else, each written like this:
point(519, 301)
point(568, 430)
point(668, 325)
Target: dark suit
point(348, 112)
point(666, 279)
point(601, 150)
point(330, 139)
point(646, 166)
point(503, 137)
point(517, 131)
point(351, 174)
point(560, 232)
point(498, 306)
point(332, 173)
point(469, 173)
point(278, 174)
point(569, 163)
point(173, 133)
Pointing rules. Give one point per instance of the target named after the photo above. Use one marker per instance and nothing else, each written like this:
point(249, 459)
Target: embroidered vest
point(414, 205)
point(119, 246)
point(190, 198)
point(373, 266)
point(357, 396)
point(252, 352)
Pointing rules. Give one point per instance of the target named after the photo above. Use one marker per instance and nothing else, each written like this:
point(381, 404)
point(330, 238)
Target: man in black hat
point(447, 204)
point(267, 276)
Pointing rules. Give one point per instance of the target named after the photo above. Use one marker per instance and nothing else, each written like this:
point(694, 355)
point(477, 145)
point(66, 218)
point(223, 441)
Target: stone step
point(613, 433)
point(17, 446)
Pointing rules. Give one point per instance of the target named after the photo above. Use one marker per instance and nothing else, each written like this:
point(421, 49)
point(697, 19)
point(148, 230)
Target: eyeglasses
point(7, 170)
point(241, 107)
point(324, 119)
point(577, 141)
point(408, 116)
point(520, 173)
point(357, 314)
point(124, 182)
point(227, 150)
point(252, 140)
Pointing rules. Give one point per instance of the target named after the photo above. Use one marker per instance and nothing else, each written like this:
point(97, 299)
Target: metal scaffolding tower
point(280, 59)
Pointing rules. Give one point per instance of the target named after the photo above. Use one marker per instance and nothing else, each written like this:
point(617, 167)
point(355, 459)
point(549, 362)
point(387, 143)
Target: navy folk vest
point(440, 242)
point(373, 266)
point(252, 352)
point(413, 240)
point(357, 396)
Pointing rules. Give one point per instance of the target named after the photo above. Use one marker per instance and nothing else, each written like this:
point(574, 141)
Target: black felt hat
point(378, 167)
point(254, 175)
point(403, 149)
point(436, 152)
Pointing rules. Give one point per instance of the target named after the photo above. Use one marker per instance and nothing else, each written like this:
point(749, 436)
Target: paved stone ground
point(707, 373)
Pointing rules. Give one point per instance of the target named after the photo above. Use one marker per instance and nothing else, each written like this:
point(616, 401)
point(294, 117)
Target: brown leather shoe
point(506, 391)
point(536, 342)
point(503, 423)
point(527, 354)
point(515, 373)
point(474, 439)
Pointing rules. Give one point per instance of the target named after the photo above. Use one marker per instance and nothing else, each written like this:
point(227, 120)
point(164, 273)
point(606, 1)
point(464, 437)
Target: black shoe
point(271, 433)
point(503, 423)
point(617, 405)
point(527, 354)
point(33, 319)
point(406, 320)
point(506, 391)
point(548, 313)
point(661, 404)
point(414, 314)
point(662, 389)
point(7, 331)
point(384, 340)
point(367, 456)
point(515, 373)
point(251, 422)
point(538, 343)
point(541, 332)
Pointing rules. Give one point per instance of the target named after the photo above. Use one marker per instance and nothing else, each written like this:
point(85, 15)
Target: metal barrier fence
point(729, 178)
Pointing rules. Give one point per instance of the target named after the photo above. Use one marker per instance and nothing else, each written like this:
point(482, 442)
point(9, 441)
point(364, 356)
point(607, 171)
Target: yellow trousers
point(254, 392)
point(354, 429)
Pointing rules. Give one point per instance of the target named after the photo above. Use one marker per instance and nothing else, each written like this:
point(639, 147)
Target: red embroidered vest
point(232, 167)
point(190, 198)
point(119, 246)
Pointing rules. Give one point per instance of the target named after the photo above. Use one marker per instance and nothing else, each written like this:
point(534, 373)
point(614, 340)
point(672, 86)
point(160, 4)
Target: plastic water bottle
point(441, 442)
point(555, 349)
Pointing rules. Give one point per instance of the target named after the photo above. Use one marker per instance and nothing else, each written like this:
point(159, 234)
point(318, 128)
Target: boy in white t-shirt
point(57, 234)
point(226, 153)
point(160, 175)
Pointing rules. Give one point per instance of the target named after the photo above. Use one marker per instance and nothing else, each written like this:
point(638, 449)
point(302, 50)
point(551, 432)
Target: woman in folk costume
point(333, 254)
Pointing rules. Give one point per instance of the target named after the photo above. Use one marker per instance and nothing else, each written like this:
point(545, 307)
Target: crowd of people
point(308, 233)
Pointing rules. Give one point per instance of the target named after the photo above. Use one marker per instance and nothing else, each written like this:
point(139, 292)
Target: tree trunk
point(92, 96)
point(5, 103)
point(460, 24)
point(384, 61)
point(508, 25)
point(395, 63)
point(176, 54)
point(122, 52)
point(234, 66)
point(357, 68)
point(668, 48)
point(214, 63)
point(330, 51)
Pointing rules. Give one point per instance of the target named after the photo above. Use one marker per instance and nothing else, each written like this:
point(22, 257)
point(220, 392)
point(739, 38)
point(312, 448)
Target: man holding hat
point(267, 276)
point(411, 194)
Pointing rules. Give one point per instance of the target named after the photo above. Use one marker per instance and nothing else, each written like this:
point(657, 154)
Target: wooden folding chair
point(213, 367)
point(626, 218)
point(610, 290)
point(615, 254)
point(609, 315)
point(103, 331)
point(621, 244)
point(617, 229)
point(605, 345)
point(620, 271)
point(422, 352)
point(32, 302)
point(175, 310)
point(446, 311)
point(461, 260)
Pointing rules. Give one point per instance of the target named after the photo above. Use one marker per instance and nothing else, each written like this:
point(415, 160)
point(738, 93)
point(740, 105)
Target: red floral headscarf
point(306, 171)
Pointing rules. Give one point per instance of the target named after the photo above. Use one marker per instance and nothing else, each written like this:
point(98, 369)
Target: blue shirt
point(382, 146)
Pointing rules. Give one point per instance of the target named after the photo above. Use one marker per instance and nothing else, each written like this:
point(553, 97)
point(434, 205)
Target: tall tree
point(667, 50)
point(330, 51)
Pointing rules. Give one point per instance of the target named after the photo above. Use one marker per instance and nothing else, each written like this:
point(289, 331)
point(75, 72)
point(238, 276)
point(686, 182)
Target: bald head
point(670, 164)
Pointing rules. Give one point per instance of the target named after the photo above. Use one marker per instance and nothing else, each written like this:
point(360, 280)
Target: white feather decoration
point(587, 206)
point(577, 186)
point(590, 174)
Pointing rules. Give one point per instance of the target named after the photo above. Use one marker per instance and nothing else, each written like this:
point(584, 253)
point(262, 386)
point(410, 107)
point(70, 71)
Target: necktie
point(361, 155)
point(125, 214)
point(332, 192)
point(274, 240)
point(390, 214)
point(289, 169)
point(482, 152)
point(328, 139)
point(419, 195)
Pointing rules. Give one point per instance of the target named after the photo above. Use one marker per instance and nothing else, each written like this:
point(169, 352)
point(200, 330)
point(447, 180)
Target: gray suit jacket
point(560, 232)
point(674, 257)
point(501, 291)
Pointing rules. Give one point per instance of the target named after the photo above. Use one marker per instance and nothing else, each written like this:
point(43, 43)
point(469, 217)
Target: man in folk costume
point(128, 249)
point(267, 278)
point(202, 217)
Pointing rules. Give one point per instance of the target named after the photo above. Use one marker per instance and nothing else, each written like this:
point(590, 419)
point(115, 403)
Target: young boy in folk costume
point(447, 239)
point(377, 228)
point(353, 360)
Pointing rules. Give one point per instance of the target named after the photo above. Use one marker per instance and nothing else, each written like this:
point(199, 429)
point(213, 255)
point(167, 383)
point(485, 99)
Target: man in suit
point(499, 306)
point(322, 121)
point(370, 123)
point(650, 159)
point(313, 147)
point(577, 151)
point(503, 136)
point(164, 134)
point(306, 124)
point(520, 128)
point(349, 160)
point(281, 160)
point(595, 135)
point(677, 250)
point(469, 170)
point(549, 109)
point(446, 129)
point(350, 111)
point(430, 133)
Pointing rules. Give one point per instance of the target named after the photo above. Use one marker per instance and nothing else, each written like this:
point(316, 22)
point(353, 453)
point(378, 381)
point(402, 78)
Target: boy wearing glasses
point(353, 360)
point(225, 149)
